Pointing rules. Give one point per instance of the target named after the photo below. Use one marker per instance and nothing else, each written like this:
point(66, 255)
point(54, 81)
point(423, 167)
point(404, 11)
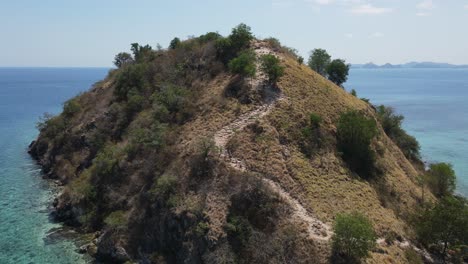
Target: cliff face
point(173, 159)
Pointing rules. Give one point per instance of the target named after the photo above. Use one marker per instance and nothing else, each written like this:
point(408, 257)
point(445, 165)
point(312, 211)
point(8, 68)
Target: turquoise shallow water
point(435, 105)
point(26, 233)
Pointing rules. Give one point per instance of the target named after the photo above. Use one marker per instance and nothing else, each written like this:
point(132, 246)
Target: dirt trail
point(317, 230)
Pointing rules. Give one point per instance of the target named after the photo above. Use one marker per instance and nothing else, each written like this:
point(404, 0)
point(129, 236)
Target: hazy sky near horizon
point(58, 33)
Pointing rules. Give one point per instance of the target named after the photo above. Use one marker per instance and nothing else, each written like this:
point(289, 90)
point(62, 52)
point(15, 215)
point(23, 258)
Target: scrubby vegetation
point(335, 70)
point(445, 224)
point(244, 64)
point(391, 124)
point(319, 60)
point(312, 135)
point(441, 179)
point(354, 237)
point(271, 67)
point(355, 133)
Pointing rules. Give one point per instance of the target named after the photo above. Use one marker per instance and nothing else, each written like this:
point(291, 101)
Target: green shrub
point(122, 59)
point(71, 107)
point(441, 179)
point(271, 67)
point(312, 135)
point(52, 127)
point(300, 60)
point(353, 93)
point(165, 184)
point(82, 188)
point(391, 123)
point(444, 225)
point(228, 48)
point(116, 220)
point(210, 36)
point(132, 78)
point(337, 71)
point(106, 163)
point(136, 102)
point(142, 53)
point(355, 133)
point(239, 230)
point(241, 36)
point(149, 137)
point(175, 43)
point(319, 60)
point(244, 64)
point(201, 228)
point(354, 236)
point(171, 104)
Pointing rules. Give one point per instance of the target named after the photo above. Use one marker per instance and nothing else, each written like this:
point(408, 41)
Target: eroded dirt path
point(317, 230)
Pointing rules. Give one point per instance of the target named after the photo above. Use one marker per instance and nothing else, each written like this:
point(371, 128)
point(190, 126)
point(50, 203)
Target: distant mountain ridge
point(419, 65)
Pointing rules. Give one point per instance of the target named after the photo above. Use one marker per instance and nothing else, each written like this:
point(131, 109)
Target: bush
point(116, 220)
point(51, 126)
point(271, 66)
point(71, 107)
point(337, 71)
point(142, 53)
point(354, 236)
point(171, 104)
point(239, 231)
point(106, 163)
point(122, 59)
point(445, 224)
point(312, 135)
point(353, 93)
point(391, 123)
point(165, 185)
point(355, 133)
point(319, 60)
point(228, 48)
point(300, 60)
point(210, 36)
point(132, 78)
point(441, 179)
point(175, 43)
point(244, 64)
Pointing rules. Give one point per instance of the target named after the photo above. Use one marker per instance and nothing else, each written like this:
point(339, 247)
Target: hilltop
point(174, 158)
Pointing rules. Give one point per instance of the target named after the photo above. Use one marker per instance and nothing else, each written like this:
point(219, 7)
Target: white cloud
point(377, 35)
point(368, 9)
point(466, 7)
point(426, 5)
point(349, 35)
point(323, 2)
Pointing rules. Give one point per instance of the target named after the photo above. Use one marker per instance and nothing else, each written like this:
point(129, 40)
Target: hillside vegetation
point(230, 150)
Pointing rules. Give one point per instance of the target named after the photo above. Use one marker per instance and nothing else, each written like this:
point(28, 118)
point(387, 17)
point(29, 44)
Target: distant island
point(418, 65)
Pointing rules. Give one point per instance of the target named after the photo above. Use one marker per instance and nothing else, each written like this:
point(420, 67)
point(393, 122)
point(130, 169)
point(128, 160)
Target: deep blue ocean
point(26, 234)
point(434, 103)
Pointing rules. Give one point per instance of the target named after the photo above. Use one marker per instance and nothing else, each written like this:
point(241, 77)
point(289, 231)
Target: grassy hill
point(173, 158)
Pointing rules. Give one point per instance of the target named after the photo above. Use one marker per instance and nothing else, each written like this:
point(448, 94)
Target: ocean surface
point(434, 102)
point(435, 105)
point(26, 233)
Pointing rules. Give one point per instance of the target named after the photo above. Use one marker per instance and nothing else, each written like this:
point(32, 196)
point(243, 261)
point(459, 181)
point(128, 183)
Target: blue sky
point(90, 32)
